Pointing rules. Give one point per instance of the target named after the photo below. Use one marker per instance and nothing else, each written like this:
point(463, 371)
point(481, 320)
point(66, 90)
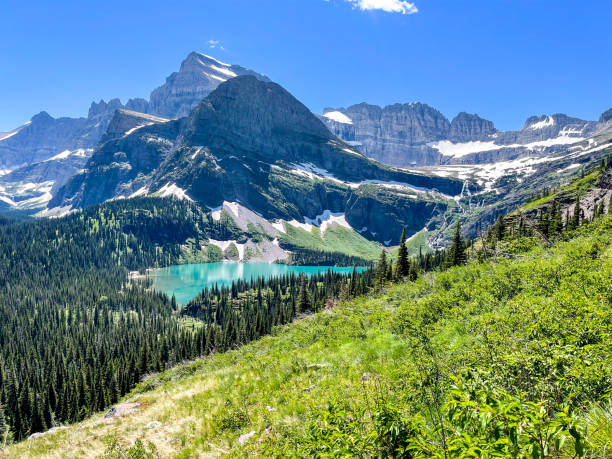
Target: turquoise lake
point(186, 281)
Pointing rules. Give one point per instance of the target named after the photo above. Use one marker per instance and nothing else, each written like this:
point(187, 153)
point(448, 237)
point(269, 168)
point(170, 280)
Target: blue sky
point(502, 59)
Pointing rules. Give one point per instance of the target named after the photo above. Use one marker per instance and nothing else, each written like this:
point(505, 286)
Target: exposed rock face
point(56, 171)
point(544, 127)
point(198, 76)
point(41, 138)
point(246, 143)
point(103, 108)
point(606, 116)
point(45, 136)
point(397, 134)
point(416, 135)
point(138, 105)
point(125, 121)
point(466, 127)
point(381, 213)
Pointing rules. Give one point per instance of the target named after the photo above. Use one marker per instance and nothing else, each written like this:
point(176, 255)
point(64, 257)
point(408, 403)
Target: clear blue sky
point(502, 59)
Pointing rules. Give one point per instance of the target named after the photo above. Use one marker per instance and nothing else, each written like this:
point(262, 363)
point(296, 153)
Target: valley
point(238, 262)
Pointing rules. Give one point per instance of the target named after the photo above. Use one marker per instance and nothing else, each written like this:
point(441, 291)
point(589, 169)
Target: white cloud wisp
point(389, 6)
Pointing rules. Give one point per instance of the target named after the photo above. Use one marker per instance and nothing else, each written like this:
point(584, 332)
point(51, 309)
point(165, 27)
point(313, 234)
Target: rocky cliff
point(418, 135)
point(466, 127)
point(252, 142)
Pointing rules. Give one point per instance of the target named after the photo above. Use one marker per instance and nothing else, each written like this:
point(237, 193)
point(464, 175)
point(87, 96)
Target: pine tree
point(500, 228)
point(381, 268)
point(403, 265)
point(413, 272)
point(456, 253)
point(304, 302)
point(3, 425)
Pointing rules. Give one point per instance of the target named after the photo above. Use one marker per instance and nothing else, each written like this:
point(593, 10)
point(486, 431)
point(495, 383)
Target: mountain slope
point(463, 342)
point(253, 143)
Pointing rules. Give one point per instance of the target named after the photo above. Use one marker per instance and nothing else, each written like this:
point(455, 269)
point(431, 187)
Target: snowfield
point(338, 117)
point(170, 189)
point(459, 150)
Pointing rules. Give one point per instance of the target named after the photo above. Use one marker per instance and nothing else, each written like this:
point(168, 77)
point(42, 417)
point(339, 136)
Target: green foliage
point(402, 267)
point(456, 255)
point(137, 451)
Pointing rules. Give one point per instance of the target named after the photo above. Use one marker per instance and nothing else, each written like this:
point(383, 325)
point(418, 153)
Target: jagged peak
point(103, 107)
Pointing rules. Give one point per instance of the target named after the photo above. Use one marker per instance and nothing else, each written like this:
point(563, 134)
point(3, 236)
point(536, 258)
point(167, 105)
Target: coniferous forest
point(75, 334)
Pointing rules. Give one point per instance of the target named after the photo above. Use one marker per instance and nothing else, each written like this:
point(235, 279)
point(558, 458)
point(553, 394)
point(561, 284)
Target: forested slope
point(76, 333)
point(509, 355)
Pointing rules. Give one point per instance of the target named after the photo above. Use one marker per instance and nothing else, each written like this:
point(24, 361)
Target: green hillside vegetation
point(336, 239)
point(76, 333)
point(507, 356)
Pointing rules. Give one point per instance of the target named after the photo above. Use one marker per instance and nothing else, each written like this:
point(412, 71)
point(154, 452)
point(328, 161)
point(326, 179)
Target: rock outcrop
point(606, 116)
point(397, 134)
point(466, 127)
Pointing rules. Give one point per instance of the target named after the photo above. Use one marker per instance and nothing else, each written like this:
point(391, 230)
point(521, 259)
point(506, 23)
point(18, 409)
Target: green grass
point(336, 239)
point(580, 186)
point(535, 328)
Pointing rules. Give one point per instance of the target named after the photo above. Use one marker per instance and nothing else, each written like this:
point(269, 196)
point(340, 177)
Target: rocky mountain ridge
point(253, 143)
point(416, 134)
point(26, 151)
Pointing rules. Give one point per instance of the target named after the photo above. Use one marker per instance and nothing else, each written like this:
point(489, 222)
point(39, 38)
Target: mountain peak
point(252, 109)
point(198, 76)
point(606, 116)
point(467, 127)
point(104, 108)
point(41, 117)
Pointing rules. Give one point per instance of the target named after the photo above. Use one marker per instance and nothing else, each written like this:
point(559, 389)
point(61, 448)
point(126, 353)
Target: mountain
point(418, 135)
point(31, 150)
point(466, 127)
point(252, 143)
point(198, 76)
point(606, 116)
point(387, 134)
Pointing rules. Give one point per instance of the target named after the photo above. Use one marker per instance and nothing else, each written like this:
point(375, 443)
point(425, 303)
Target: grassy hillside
point(337, 239)
point(506, 357)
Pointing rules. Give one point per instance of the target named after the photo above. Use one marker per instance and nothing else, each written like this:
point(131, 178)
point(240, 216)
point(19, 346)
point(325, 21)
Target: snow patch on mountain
point(79, 152)
point(224, 245)
point(8, 135)
point(322, 221)
point(313, 172)
point(55, 212)
point(459, 150)
point(568, 168)
point(338, 117)
point(134, 129)
point(328, 218)
point(279, 225)
point(171, 189)
point(547, 122)
point(140, 192)
point(234, 207)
